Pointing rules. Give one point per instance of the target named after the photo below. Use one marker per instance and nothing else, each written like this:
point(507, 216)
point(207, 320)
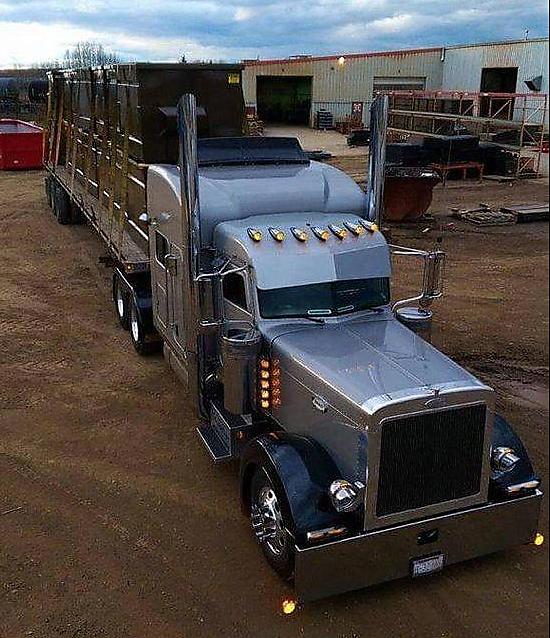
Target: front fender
point(504, 435)
point(303, 472)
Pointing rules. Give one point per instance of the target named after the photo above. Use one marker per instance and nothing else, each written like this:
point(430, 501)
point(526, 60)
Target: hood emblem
point(438, 401)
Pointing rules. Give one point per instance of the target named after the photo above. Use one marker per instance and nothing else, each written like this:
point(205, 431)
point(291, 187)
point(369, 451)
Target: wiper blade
point(345, 309)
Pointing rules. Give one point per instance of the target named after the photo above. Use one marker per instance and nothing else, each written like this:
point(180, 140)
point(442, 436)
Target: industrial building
point(293, 90)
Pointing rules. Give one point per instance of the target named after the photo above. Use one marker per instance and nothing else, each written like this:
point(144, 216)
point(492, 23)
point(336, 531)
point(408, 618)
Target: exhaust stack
point(190, 229)
point(377, 161)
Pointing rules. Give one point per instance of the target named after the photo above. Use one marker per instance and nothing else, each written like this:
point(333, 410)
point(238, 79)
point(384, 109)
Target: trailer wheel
point(62, 205)
point(120, 298)
point(144, 344)
point(269, 525)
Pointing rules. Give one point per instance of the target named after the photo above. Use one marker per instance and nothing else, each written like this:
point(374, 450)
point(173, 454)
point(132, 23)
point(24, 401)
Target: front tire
point(144, 344)
point(270, 526)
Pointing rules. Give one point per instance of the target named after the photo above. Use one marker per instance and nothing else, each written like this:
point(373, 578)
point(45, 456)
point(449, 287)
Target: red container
point(21, 145)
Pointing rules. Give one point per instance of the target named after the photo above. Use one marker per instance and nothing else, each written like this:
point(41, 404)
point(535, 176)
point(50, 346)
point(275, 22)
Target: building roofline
point(301, 59)
point(348, 56)
point(496, 43)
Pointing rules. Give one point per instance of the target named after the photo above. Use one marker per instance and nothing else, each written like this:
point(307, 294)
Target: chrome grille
point(431, 458)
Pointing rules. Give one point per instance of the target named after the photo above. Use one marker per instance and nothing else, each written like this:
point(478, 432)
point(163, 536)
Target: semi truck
point(365, 454)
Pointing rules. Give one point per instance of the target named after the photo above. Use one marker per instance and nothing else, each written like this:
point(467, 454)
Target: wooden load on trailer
point(106, 125)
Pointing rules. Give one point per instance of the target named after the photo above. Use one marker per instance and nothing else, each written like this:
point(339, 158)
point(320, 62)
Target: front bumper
point(384, 555)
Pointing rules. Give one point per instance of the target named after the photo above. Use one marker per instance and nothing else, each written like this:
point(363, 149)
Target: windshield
point(333, 298)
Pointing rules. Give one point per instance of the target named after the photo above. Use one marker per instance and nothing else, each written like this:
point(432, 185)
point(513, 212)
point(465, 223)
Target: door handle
point(321, 404)
point(171, 263)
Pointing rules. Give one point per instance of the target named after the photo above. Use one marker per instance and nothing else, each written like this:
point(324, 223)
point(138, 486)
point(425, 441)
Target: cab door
point(175, 298)
point(160, 279)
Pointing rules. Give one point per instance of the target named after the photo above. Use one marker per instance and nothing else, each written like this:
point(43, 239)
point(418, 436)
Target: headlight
point(345, 497)
point(504, 459)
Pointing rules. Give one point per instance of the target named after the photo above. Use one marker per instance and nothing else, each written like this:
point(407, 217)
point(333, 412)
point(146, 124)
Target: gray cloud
point(248, 28)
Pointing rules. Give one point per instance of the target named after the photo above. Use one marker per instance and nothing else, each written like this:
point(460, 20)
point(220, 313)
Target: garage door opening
point(498, 80)
point(285, 100)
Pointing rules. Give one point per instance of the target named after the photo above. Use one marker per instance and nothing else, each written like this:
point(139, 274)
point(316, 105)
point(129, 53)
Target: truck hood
point(370, 363)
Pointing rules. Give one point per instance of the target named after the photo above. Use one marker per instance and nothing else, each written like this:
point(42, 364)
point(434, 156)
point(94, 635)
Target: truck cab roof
point(305, 248)
point(237, 192)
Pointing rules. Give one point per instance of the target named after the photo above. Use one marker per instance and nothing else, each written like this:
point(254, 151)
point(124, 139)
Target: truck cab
point(365, 453)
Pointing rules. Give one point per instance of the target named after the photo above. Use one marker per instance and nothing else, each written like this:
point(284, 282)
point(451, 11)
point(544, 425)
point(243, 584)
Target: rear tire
point(62, 205)
point(144, 343)
point(270, 526)
point(121, 301)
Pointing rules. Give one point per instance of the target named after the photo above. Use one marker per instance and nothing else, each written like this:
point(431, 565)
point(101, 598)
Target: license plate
point(427, 566)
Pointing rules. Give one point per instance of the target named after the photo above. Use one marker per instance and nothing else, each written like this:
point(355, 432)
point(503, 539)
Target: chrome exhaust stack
point(379, 116)
point(190, 230)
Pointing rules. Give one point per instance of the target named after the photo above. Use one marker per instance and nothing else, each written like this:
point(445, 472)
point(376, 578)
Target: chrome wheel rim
point(120, 304)
point(267, 521)
point(134, 325)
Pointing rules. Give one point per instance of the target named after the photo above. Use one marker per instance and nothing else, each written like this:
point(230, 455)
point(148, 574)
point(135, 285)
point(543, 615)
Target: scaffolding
point(517, 122)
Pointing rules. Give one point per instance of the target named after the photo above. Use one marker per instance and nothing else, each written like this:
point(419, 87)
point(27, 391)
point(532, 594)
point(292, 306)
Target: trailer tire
point(62, 205)
point(267, 513)
point(122, 306)
point(143, 342)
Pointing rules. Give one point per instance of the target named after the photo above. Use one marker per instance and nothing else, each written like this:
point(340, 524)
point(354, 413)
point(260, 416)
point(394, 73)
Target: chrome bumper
point(384, 555)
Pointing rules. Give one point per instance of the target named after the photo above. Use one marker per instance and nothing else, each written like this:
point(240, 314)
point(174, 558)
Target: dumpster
point(21, 145)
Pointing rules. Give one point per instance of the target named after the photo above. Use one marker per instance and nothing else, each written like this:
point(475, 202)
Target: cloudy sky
point(163, 30)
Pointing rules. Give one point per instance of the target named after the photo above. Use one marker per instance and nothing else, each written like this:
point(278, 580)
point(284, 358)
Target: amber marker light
point(278, 234)
point(289, 607)
point(300, 234)
point(355, 229)
point(370, 226)
point(539, 540)
point(255, 234)
point(340, 232)
point(321, 233)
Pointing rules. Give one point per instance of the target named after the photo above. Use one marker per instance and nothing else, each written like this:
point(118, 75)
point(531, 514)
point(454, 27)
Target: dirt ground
point(115, 524)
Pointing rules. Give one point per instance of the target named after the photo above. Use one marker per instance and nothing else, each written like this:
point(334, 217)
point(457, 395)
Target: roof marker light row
point(322, 233)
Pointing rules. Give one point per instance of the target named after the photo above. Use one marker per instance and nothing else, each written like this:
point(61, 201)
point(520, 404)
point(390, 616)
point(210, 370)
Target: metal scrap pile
point(254, 126)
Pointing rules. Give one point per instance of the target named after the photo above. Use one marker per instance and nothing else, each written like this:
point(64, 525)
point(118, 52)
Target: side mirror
point(434, 275)
point(414, 313)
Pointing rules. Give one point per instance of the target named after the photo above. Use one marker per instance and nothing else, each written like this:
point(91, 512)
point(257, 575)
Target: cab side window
point(162, 249)
point(234, 290)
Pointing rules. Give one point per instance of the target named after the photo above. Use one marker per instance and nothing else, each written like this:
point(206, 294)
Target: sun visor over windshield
point(307, 268)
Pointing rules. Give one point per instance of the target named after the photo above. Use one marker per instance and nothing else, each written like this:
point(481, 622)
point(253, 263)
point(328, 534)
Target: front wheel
point(270, 526)
point(144, 343)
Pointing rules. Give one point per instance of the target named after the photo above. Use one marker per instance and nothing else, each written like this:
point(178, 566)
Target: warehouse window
point(388, 84)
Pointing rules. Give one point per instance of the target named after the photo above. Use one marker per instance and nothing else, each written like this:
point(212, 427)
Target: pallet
point(445, 169)
point(528, 213)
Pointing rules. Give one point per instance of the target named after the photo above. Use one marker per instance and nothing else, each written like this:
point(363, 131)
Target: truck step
point(226, 433)
point(218, 450)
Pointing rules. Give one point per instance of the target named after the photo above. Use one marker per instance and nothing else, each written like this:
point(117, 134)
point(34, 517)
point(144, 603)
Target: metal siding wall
point(462, 69)
point(335, 87)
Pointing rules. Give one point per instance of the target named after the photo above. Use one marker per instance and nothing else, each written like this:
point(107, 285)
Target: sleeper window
point(234, 290)
point(162, 249)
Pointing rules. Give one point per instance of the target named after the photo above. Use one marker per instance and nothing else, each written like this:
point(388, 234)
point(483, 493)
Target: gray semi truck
point(365, 454)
